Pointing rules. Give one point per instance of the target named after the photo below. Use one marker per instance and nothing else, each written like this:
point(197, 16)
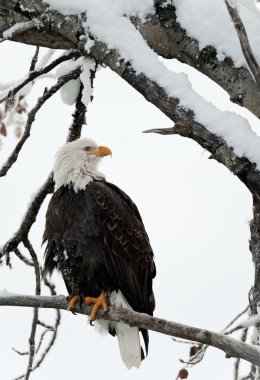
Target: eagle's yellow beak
point(102, 151)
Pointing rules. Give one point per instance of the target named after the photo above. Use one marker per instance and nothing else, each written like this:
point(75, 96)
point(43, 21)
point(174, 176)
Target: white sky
point(196, 213)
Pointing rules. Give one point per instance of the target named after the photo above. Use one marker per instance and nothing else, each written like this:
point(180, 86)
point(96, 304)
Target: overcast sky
point(195, 211)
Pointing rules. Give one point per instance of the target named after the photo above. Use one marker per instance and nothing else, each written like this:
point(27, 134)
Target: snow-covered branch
point(162, 32)
point(231, 346)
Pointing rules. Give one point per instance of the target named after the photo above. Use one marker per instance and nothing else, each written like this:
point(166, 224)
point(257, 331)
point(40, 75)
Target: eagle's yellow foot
point(98, 302)
point(73, 301)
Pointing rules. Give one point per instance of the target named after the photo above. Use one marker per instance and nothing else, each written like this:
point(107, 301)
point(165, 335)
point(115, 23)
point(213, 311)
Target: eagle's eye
point(87, 148)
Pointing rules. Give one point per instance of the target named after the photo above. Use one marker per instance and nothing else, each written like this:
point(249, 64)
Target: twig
point(34, 59)
point(232, 347)
point(22, 257)
point(233, 321)
point(33, 75)
point(41, 339)
point(19, 352)
point(43, 324)
point(28, 245)
point(244, 42)
point(31, 116)
point(52, 341)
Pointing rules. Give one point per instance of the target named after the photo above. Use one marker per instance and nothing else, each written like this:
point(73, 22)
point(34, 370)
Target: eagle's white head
point(76, 163)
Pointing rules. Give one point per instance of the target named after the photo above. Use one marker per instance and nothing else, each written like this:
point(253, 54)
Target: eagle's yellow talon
point(73, 302)
point(98, 302)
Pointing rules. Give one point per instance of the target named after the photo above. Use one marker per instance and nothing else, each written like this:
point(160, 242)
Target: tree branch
point(185, 123)
point(161, 31)
point(231, 346)
point(244, 42)
point(31, 116)
point(29, 217)
point(35, 74)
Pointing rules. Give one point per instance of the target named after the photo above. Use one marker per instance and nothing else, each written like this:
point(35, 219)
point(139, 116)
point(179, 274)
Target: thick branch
point(162, 32)
point(185, 124)
point(232, 347)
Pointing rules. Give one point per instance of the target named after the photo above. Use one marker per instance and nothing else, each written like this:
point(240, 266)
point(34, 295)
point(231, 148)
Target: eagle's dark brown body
point(96, 238)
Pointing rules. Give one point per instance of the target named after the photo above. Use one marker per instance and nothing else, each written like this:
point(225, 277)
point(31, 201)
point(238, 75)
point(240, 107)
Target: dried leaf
point(3, 129)
point(183, 374)
point(194, 350)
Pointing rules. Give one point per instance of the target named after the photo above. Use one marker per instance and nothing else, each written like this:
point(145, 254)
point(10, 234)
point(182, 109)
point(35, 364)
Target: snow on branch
point(31, 116)
point(163, 32)
point(186, 124)
point(35, 74)
point(231, 346)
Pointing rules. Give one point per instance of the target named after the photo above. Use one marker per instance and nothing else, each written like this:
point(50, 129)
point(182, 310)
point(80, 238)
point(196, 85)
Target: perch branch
point(231, 346)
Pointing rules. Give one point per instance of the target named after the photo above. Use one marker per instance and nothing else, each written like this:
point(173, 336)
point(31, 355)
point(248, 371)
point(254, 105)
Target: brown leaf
point(194, 350)
point(183, 374)
point(3, 129)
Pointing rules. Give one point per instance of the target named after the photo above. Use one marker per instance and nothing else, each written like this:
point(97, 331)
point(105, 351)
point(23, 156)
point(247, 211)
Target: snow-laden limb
point(185, 123)
point(245, 45)
point(209, 23)
point(109, 25)
point(231, 346)
point(162, 32)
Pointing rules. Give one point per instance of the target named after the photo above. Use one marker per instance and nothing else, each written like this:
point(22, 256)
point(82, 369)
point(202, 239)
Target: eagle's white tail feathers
point(128, 337)
point(129, 344)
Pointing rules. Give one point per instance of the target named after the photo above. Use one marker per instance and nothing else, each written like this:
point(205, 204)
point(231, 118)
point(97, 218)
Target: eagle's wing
point(129, 256)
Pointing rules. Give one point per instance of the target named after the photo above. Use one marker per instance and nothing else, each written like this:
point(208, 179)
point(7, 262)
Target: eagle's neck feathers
point(78, 174)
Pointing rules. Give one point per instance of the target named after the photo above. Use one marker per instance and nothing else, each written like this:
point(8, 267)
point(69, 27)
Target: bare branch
point(45, 325)
point(41, 339)
point(22, 257)
point(231, 346)
point(34, 59)
point(29, 217)
point(51, 342)
point(235, 319)
point(28, 245)
point(244, 42)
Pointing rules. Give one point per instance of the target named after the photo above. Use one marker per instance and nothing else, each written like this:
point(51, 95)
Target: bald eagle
point(96, 239)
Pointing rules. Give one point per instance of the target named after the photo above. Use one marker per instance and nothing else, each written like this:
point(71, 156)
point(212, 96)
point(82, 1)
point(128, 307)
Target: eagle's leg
point(73, 301)
point(98, 302)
